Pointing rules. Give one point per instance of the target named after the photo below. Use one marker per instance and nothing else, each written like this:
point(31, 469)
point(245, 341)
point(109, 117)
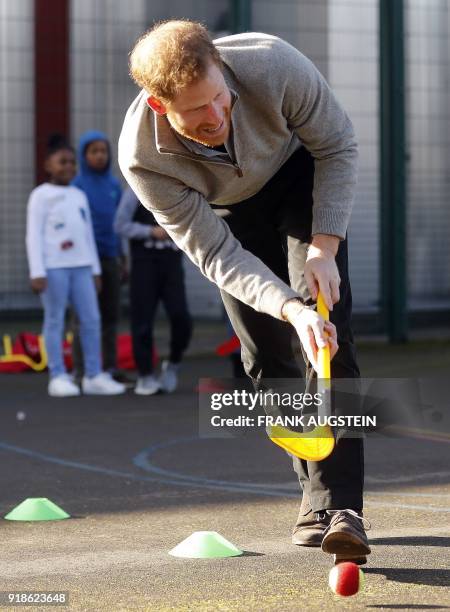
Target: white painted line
point(173, 478)
point(406, 506)
point(142, 460)
point(404, 494)
point(138, 477)
point(408, 478)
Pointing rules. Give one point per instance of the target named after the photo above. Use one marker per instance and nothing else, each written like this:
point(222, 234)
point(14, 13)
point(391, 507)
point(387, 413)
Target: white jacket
point(59, 230)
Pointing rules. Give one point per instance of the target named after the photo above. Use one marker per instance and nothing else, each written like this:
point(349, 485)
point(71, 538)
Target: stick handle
point(323, 355)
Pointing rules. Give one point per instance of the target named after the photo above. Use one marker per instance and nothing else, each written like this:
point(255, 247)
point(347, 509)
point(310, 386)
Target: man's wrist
point(291, 308)
point(326, 243)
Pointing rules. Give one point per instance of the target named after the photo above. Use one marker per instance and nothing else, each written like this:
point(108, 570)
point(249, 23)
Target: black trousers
point(158, 277)
point(275, 225)
point(109, 305)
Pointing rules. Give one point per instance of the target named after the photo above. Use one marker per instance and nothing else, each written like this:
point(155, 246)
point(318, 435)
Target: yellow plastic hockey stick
point(317, 444)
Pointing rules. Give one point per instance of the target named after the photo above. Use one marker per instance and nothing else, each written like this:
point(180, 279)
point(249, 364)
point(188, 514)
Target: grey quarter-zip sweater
point(280, 102)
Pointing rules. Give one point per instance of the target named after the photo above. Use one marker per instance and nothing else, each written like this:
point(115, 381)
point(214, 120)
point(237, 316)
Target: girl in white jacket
point(64, 268)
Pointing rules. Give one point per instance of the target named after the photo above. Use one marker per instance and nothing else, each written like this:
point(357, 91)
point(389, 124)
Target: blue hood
point(85, 140)
point(103, 192)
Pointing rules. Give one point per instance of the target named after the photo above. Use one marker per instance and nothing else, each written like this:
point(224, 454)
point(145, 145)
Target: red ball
point(346, 579)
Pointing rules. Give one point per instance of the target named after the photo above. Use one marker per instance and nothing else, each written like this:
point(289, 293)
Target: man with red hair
point(243, 154)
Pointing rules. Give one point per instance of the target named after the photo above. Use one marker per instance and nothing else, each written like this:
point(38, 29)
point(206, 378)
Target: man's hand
point(158, 233)
point(321, 271)
point(38, 284)
point(312, 329)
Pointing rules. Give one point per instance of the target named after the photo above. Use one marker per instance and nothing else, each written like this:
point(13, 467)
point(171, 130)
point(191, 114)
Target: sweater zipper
point(205, 159)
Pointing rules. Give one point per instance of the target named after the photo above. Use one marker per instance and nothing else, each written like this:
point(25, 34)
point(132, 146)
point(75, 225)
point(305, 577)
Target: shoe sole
point(147, 392)
point(345, 547)
point(103, 393)
point(306, 543)
point(342, 559)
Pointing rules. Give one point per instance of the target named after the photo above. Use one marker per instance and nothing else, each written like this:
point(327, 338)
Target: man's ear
point(156, 105)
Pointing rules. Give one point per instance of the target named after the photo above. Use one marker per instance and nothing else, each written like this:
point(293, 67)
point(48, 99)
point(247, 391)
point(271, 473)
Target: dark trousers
point(275, 225)
point(159, 277)
point(109, 305)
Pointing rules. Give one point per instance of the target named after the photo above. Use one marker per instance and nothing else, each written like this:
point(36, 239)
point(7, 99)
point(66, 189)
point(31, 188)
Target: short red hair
point(170, 56)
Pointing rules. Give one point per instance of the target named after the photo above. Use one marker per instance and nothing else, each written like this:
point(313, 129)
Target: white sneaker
point(102, 384)
point(147, 385)
point(62, 386)
point(168, 379)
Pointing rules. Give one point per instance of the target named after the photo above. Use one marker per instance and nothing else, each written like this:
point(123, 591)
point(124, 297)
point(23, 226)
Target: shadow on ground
point(413, 541)
point(423, 576)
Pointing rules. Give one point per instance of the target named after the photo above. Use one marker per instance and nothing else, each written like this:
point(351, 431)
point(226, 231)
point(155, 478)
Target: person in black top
point(156, 275)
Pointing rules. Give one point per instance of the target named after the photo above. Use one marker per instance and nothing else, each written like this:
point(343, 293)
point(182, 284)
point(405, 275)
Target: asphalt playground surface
point(136, 480)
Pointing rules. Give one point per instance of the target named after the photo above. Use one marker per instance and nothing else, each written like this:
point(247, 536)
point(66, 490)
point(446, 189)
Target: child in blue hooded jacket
point(103, 192)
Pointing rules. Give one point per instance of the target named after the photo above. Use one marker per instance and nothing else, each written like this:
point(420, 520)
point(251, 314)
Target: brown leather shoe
point(345, 536)
point(309, 528)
